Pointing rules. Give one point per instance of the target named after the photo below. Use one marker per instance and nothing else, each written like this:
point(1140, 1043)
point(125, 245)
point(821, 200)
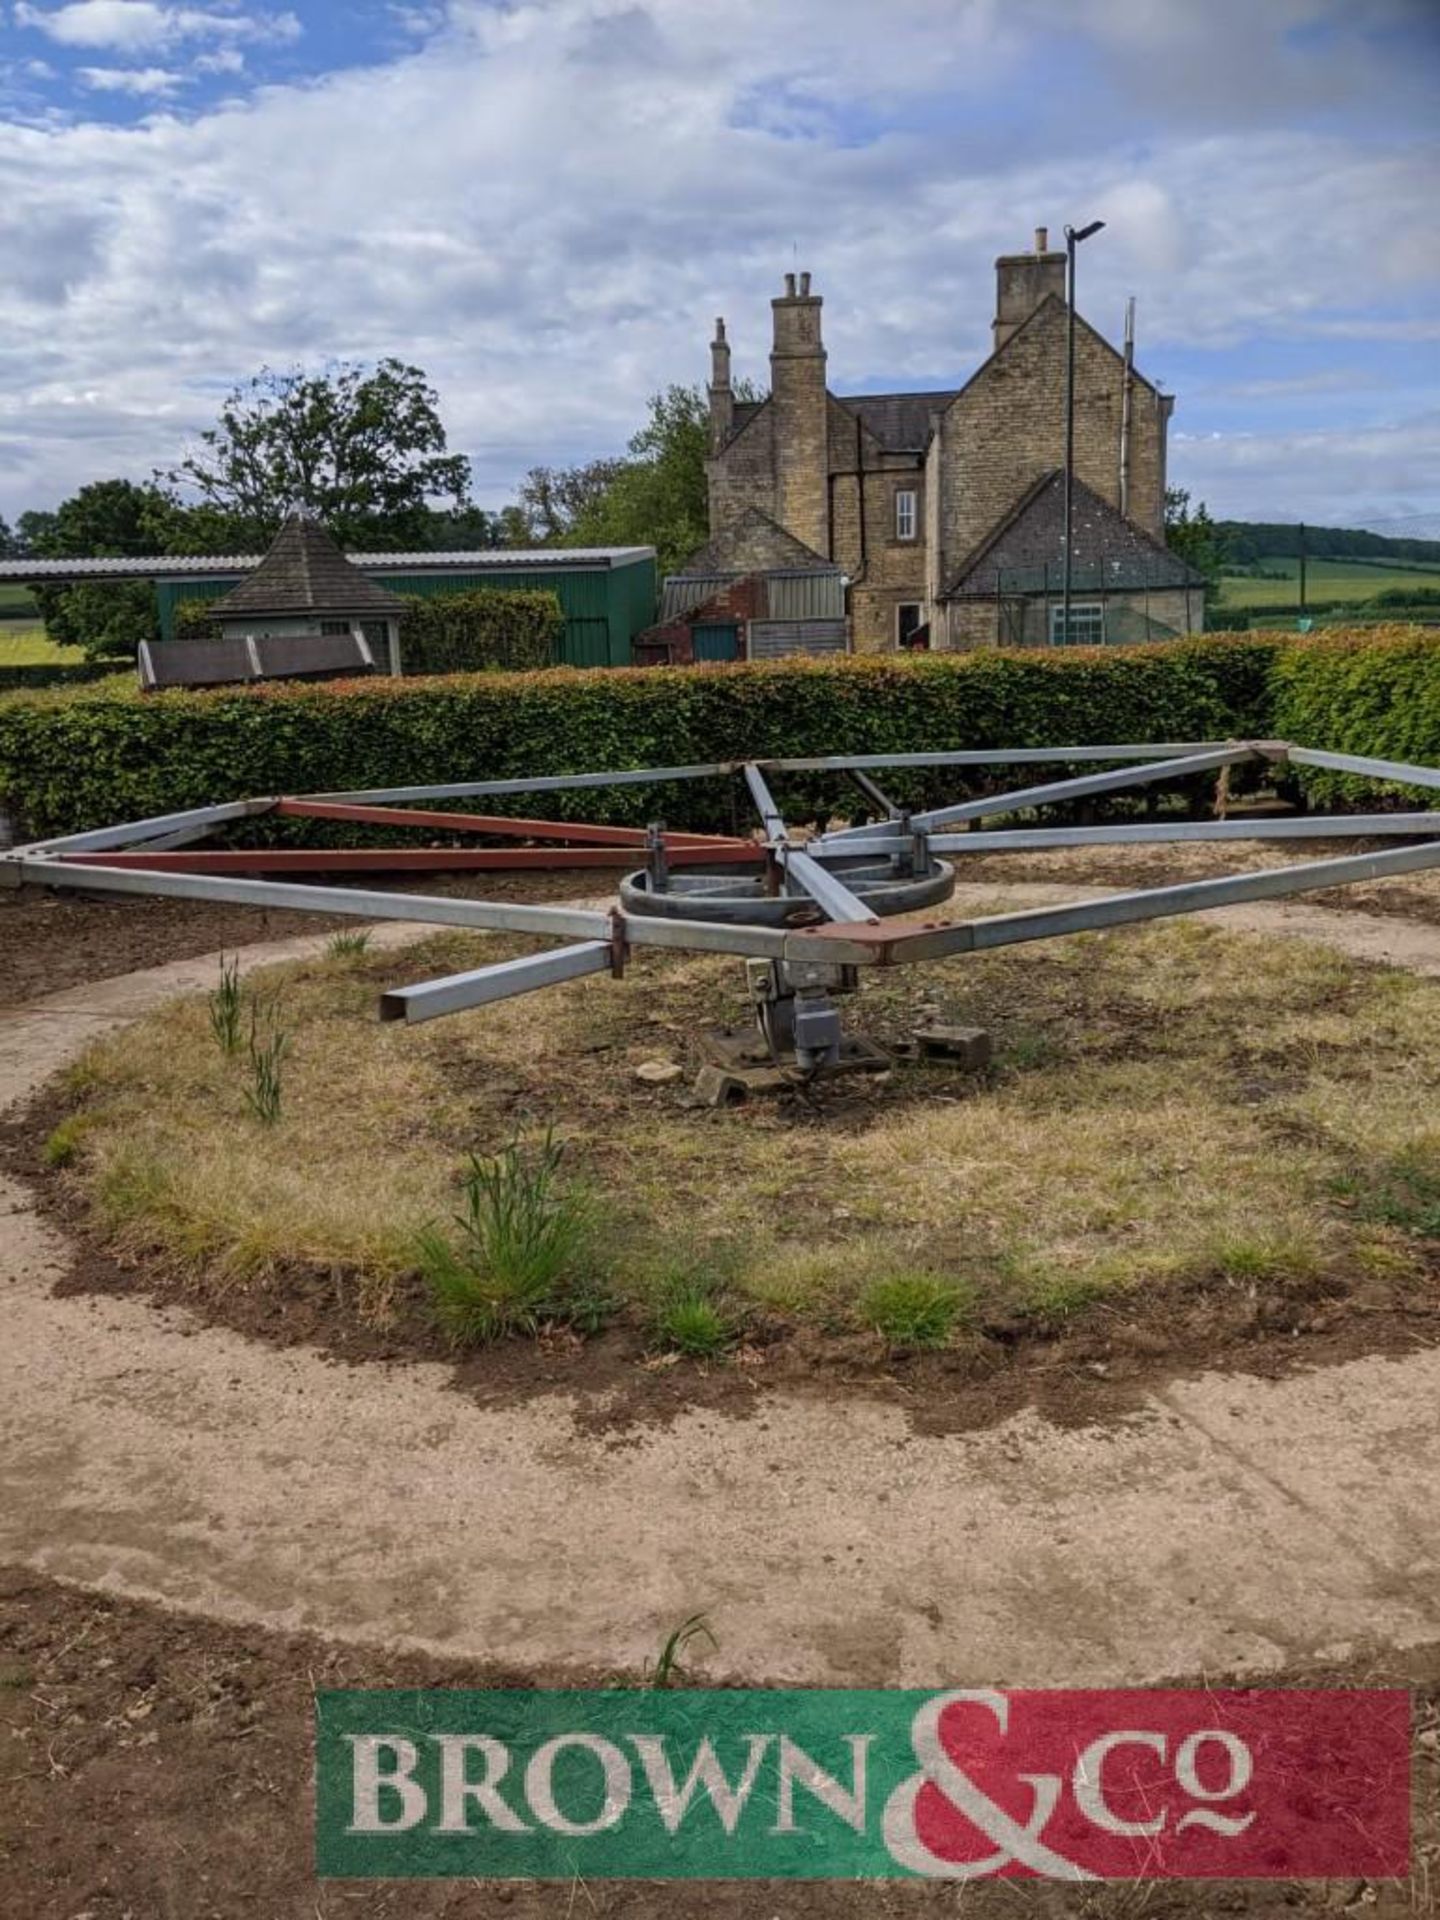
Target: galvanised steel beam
point(1355, 826)
point(1398, 770)
point(899, 941)
point(501, 825)
point(837, 763)
point(876, 795)
point(153, 828)
point(549, 783)
point(457, 991)
point(775, 828)
point(832, 896)
point(1198, 896)
point(1077, 789)
point(502, 916)
point(991, 756)
point(406, 859)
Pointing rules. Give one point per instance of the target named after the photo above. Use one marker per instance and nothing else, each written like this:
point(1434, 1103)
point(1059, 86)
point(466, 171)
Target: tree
point(364, 450)
point(1195, 538)
point(554, 499)
point(105, 519)
point(31, 531)
point(656, 497)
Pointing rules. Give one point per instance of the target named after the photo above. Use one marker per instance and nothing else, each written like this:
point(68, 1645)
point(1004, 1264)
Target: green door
point(716, 642)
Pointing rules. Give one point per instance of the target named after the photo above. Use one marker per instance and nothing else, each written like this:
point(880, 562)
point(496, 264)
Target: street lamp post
point(1072, 240)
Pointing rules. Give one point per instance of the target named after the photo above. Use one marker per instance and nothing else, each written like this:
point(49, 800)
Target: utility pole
point(1072, 240)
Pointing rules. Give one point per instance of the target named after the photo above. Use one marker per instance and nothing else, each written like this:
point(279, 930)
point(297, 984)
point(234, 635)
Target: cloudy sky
point(545, 203)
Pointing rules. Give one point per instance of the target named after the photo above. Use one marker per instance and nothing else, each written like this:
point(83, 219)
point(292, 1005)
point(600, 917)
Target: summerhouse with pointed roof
point(305, 588)
point(941, 508)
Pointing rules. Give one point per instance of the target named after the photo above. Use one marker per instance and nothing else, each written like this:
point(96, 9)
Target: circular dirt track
point(1230, 1524)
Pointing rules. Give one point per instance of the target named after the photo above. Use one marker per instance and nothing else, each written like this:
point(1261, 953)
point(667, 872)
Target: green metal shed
point(607, 594)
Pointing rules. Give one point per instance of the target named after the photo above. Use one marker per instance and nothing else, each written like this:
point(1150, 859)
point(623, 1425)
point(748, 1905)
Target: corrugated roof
point(169, 566)
point(305, 572)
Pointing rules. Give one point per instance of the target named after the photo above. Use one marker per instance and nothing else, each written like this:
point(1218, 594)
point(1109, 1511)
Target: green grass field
point(15, 600)
point(31, 647)
point(1349, 580)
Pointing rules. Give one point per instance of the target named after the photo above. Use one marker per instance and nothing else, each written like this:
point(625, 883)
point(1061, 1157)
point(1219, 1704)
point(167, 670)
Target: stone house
point(943, 508)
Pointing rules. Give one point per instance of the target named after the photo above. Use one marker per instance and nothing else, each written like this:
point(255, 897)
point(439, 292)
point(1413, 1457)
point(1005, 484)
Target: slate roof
point(305, 573)
point(899, 421)
point(1025, 548)
point(754, 544)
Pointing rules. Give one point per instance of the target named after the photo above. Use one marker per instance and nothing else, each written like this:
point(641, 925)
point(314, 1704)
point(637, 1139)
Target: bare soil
point(50, 941)
point(158, 1768)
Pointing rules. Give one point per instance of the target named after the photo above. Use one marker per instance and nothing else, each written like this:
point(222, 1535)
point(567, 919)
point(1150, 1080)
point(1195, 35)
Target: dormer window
point(905, 515)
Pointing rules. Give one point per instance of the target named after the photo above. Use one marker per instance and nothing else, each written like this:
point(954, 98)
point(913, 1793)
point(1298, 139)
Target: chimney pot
point(789, 286)
point(805, 283)
point(719, 329)
point(1042, 239)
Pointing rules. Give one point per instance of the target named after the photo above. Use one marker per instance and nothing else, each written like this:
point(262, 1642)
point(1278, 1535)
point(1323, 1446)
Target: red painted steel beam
point(410, 859)
point(504, 826)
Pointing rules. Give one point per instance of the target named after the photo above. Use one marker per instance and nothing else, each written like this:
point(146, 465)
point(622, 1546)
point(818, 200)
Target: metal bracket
point(619, 944)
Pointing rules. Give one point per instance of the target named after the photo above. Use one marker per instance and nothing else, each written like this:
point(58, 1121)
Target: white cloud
point(141, 26)
point(1292, 476)
point(546, 204)
point(226, 60)
point(156, 81)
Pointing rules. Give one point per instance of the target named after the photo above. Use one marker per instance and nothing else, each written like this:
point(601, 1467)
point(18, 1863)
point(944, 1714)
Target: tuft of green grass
point(348, 945)
point(62, 1148)
point(668, 1669)
point(915, 1309)
point(1058, 1296)
point(267, 1068)
point(1264, 1261)
point(226, 1004)
point(1402, 1191)
point(690, 1322)
point(522, 1236)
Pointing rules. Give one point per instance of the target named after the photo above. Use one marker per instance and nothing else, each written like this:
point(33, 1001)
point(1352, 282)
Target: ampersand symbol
point(1014, 1840)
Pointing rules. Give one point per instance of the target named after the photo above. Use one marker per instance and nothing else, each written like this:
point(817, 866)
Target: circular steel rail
point(741, 899)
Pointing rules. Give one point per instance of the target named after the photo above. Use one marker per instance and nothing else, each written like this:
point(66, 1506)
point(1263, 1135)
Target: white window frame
point(907, 513)
point(1092, 612)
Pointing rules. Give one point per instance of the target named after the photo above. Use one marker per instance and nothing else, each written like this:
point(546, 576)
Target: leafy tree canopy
point(1193, 535)
point(655, 497)
point(108, 517)
point(362, 449)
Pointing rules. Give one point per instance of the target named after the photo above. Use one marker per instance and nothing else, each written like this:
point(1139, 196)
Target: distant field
point(15, 600)
point(29, 647)
point(1324, 580)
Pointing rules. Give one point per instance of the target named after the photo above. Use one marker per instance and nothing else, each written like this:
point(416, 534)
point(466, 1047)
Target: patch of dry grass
point(1170, 1105)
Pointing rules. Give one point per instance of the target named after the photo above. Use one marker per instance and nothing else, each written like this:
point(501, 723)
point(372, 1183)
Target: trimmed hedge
point(486, 630)
point(1376, 693)
point(481, 631)
point(76, 762)
point(91, 756)
point(36, 674)
point(195, 620)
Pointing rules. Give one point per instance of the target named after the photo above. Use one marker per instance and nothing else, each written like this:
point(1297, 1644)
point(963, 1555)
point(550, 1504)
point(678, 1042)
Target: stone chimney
point(800, 407)
point(1022, 280)
point(722, 399)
